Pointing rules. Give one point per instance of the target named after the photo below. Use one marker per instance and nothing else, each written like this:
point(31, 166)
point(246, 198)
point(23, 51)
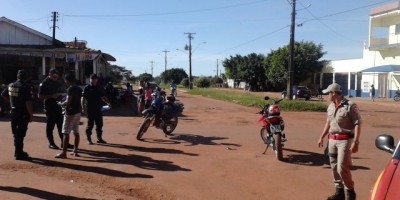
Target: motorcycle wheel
point(396, 98)
point(278, 146)
point(264, 135)
point(170, 127)
point(143, 128)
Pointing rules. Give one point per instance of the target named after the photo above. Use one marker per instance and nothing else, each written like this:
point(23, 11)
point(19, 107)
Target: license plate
point(275, 128)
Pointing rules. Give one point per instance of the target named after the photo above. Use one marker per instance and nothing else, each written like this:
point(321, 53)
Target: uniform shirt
point(75, 93)
point(344, 117)
point(49, 87)
point(93, 95)
point(19, 93)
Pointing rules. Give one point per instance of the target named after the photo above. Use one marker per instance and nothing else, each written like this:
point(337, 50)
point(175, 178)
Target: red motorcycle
point(273, 125)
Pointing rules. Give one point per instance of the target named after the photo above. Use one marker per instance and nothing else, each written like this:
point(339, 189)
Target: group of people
point(61, 112)
point(343, 124)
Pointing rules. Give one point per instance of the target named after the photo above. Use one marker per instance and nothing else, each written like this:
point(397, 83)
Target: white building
point(380, 64)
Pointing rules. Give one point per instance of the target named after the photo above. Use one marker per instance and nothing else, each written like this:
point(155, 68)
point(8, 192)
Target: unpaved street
point(215, 153)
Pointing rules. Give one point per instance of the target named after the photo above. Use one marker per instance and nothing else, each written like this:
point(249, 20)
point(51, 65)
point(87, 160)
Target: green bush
point(202, 82)
point(185, 82)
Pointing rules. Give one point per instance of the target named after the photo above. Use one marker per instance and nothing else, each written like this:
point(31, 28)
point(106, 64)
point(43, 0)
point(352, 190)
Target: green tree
point(173, 74)
point(249, 68)
point(118, 73)
point(307, 57)
point(145, 77)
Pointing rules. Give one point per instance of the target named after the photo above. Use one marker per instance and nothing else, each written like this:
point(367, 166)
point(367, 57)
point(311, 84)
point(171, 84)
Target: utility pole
point(54, 26)
point(53, 59)
point(217, 67)
point(290, 80)
point(190, 59)
point(151, 62)
point(165, 57)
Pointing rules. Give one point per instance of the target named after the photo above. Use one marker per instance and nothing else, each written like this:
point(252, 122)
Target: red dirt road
point(215, 153)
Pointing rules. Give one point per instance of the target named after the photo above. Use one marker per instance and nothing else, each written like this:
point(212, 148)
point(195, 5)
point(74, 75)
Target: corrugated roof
point(383, 68)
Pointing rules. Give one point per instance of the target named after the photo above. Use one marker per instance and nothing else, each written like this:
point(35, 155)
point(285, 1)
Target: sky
point(143, 35)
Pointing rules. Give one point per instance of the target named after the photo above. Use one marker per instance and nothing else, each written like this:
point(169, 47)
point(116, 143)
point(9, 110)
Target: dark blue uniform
point(19, 93)
point(53, 111)
point(93, 96)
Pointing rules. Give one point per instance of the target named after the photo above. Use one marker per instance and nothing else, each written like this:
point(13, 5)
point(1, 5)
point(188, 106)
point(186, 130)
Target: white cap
point(334, 87)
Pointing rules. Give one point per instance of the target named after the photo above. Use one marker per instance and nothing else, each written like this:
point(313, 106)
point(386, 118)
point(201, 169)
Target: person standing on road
point(72, 115)
point(140, 98)
point(372, 92)
point(147, 95)
point(19, 95)
point(48, 91)
point(343, 125)
point(92, 100)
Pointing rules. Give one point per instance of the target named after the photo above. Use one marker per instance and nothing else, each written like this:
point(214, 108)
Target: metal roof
point(383, 68)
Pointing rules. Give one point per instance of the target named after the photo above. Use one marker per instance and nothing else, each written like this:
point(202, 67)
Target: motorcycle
point(162, 115)
point(397, 96)
point(273, 125)
point(174, 92)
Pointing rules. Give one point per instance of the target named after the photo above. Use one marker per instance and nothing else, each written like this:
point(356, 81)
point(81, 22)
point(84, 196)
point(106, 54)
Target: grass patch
point(247, 99)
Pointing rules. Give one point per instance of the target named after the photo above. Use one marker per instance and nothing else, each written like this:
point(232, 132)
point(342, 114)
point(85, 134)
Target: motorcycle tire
point(143, 128)
point(169, 127)
point(396, 98)
point(264, 135)
point(278, 146)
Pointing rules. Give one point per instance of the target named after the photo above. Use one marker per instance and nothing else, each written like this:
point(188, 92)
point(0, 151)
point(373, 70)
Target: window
point(397, 31)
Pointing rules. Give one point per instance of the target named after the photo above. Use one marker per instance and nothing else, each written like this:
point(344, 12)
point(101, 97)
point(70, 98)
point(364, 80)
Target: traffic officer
point(343, 125)
point(48, 91)
point(20, 97)
point(93, 98)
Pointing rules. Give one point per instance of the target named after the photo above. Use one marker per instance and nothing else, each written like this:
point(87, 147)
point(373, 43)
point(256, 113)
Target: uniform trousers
point(19, 126)
point(340, 161)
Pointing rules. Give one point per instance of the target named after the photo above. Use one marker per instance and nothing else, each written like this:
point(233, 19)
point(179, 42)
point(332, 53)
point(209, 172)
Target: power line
point(172, 13)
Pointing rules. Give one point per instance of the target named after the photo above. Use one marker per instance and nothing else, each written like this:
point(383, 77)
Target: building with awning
point(24, 48)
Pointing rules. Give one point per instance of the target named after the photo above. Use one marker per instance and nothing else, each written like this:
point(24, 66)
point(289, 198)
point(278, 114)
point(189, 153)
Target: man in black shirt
point(93, 98)
point(20, 98)
point(48, 91)
point(72, 115)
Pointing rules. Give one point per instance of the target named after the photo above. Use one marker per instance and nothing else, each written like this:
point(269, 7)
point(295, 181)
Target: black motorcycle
point(162, 115)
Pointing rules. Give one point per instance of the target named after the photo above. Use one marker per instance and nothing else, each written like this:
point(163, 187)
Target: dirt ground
point(215, 153)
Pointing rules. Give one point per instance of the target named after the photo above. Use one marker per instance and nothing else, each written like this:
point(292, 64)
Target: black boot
point(89, 139)
point(339, 195)
point(350, 194)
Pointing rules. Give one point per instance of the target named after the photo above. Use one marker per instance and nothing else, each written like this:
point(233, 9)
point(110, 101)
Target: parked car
point(299, 91)
point(388, 182)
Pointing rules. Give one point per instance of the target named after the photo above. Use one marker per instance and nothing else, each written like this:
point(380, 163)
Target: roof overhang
point(382, 69)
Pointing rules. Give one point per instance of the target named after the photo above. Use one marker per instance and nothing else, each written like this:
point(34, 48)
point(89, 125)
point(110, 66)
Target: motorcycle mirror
point(266, 98)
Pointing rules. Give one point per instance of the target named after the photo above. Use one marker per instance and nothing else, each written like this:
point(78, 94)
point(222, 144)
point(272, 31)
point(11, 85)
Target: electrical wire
point(172, 13)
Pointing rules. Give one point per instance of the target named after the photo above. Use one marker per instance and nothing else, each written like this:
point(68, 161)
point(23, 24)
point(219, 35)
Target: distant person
point(128, 93)
point(147, 95)
point(110, 94)
point(20, 98)
point(372, 92)
point(93, 98)
point(72, 115)
point(343, 125)
point(49, 92)
point(140, 98)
